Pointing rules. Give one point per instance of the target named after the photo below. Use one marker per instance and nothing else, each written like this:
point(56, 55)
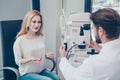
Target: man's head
point(106, 24)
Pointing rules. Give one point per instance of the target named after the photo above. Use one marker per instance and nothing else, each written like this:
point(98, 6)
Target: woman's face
point(35, 24)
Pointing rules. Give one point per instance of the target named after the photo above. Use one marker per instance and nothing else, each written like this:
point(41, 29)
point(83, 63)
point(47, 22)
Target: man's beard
point(98, 38)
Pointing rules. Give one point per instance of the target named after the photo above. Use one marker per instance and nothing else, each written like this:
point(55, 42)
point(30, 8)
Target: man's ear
point(101, 31)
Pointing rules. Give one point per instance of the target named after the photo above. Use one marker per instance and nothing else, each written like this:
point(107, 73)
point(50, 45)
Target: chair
point(8, 31)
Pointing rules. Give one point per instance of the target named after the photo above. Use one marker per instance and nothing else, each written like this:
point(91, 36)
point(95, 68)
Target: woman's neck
point(30, 35)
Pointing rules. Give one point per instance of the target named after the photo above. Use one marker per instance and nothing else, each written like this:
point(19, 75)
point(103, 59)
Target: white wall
point(50, 10)
point(12, 10)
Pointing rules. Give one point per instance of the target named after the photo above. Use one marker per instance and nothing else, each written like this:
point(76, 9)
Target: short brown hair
point(109, 20)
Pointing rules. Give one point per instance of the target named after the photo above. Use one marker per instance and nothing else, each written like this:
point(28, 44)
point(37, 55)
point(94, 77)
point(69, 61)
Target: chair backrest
point(8, 31)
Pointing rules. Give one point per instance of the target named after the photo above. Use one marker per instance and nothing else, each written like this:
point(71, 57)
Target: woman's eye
point(39, 21)
point(34, 21)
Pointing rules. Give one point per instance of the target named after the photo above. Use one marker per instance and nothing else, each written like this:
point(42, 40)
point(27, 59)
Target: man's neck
point(105, 40)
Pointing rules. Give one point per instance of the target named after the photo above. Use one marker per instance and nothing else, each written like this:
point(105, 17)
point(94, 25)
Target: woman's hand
point(26, 60)
point(62, 51)
point(50, 54)
point(37, 59)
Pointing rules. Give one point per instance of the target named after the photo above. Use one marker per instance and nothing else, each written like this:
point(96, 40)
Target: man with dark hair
point(107, 19)
point(105, 65)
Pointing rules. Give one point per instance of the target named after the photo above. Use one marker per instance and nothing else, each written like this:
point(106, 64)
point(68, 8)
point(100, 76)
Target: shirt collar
point(110, 43)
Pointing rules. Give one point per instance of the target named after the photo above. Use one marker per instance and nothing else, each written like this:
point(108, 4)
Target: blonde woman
point(29, 49)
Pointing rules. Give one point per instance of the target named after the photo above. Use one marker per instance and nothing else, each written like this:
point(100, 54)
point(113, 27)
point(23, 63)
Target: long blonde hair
point(26, 23)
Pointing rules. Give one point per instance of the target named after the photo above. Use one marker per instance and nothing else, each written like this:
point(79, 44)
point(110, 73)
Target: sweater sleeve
point(17, 52)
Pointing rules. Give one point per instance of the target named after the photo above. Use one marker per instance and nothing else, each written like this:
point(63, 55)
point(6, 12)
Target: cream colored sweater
point(27, 48)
